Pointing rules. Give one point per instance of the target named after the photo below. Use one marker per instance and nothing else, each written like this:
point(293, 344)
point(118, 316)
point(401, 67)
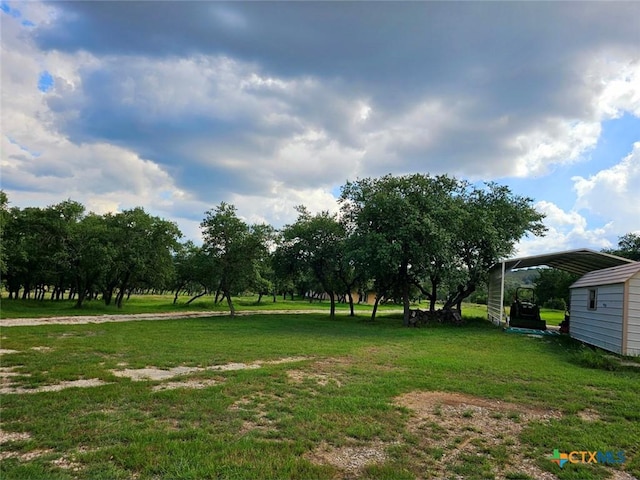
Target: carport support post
point(501, 295)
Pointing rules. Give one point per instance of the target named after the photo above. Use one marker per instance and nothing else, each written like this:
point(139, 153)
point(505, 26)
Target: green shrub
point(556, 304)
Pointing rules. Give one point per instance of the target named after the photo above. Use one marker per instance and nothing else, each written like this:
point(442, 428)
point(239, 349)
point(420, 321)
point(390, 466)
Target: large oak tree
point(433, 233)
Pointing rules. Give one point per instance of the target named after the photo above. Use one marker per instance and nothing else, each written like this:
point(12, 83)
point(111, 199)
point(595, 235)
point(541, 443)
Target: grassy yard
point(163, 304)
point(301, 396)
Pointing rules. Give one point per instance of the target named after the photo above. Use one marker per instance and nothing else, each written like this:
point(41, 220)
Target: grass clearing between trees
point(164, 304)
point(302, 396)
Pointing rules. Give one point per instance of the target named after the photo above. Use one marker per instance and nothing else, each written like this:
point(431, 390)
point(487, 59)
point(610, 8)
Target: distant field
point(164, 304)
point(301, 396)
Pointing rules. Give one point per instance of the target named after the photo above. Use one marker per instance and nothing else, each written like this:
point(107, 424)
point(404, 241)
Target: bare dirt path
point(81, 319)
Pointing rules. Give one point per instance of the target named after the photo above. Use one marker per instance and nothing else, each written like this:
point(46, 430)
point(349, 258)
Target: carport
point(581, 262)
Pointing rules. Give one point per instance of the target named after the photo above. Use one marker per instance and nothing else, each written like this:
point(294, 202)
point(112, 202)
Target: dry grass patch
point(6, 437)
point(193, 384)
point(257, 409)
point(588, 415)
point(7, 351)
point(350, 460)
point(458, 427)
point(323, 372)
point(322, 379)
point(154, 373)
point(82, 383)
point(26, 456)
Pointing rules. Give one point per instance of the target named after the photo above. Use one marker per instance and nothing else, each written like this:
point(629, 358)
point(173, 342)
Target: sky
point(178, 106)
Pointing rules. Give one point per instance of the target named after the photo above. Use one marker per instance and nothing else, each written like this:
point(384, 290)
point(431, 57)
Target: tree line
point(398, 236)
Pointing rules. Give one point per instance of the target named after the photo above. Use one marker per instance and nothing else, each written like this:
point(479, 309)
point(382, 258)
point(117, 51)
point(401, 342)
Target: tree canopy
point(434, 233)
point(403, 237)
point(628, 247)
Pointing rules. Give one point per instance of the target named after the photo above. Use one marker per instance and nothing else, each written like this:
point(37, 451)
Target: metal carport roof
point(581, 261)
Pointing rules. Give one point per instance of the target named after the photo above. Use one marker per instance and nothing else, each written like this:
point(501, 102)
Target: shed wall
point(633, 322)
point(601, 327)
point(495, 309)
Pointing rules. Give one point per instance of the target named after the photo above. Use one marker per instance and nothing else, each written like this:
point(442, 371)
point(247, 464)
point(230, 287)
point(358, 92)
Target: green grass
point(262, 423)
point(164, 304)
point(18, 308)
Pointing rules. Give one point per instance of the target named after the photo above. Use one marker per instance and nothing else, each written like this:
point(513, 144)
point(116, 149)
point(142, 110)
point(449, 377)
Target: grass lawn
point(163, 304)
point(302, 396)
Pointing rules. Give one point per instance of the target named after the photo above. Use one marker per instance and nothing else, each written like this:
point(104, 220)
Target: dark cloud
point(230, 98)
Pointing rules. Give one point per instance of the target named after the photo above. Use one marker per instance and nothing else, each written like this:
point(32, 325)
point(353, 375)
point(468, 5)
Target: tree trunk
point(175, 298)
point(196, 296)
point(332, 311)
point(81, 297)
point(433, 297)
point(107, 295)
point(375, 307)
point(232, 310)
point(351, 310)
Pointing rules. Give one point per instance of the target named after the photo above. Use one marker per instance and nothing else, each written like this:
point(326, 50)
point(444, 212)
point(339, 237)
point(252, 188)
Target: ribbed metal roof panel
point(608, 276)
point(580, 261)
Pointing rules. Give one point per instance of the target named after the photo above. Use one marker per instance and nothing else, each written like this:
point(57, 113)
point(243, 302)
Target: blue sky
point(177, 106)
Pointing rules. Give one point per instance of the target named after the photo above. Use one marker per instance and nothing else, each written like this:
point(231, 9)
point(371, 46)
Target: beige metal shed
point(605, 309)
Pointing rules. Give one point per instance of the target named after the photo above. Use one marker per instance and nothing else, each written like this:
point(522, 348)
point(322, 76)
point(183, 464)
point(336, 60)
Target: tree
point(433, 233)
point(193, 272)
point(486, 227)
point(4, 218)
point(314, 245)
point(554, 284)
point(234, 248)
point(142, 252)
point(90, 255)
point(400, 234)
point(628, 247)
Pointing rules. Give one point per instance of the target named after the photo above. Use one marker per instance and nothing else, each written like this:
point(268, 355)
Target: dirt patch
point(256, 408)
point(620, 475)
point(425, 401)
point(280, 361)
point(91, 382)
point(194, 384)
point(350, 459)
point(589, 415)
point(6, 372)
point(322, 379)
point(24, 457)
point(83, 319)
point(455, 427)
point(152, 373)
point(67, 464)
point(42, 349)
point(7, 351)
point(6, 437)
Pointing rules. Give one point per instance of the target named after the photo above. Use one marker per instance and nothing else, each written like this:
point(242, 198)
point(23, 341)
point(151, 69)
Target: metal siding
point(494, 307)
point(633, 320)
point(601, 327)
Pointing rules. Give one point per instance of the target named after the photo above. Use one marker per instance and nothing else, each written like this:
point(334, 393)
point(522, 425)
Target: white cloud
point(619, 82)
point(232, 115)
point(614, 193)
point(558, 141)
point(566, 231)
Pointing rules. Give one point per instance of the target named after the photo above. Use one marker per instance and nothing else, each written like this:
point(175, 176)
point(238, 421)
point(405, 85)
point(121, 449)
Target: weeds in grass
point(595, 358)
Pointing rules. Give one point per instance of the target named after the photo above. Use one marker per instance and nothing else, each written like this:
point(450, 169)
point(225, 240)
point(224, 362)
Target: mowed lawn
point(303, 396)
